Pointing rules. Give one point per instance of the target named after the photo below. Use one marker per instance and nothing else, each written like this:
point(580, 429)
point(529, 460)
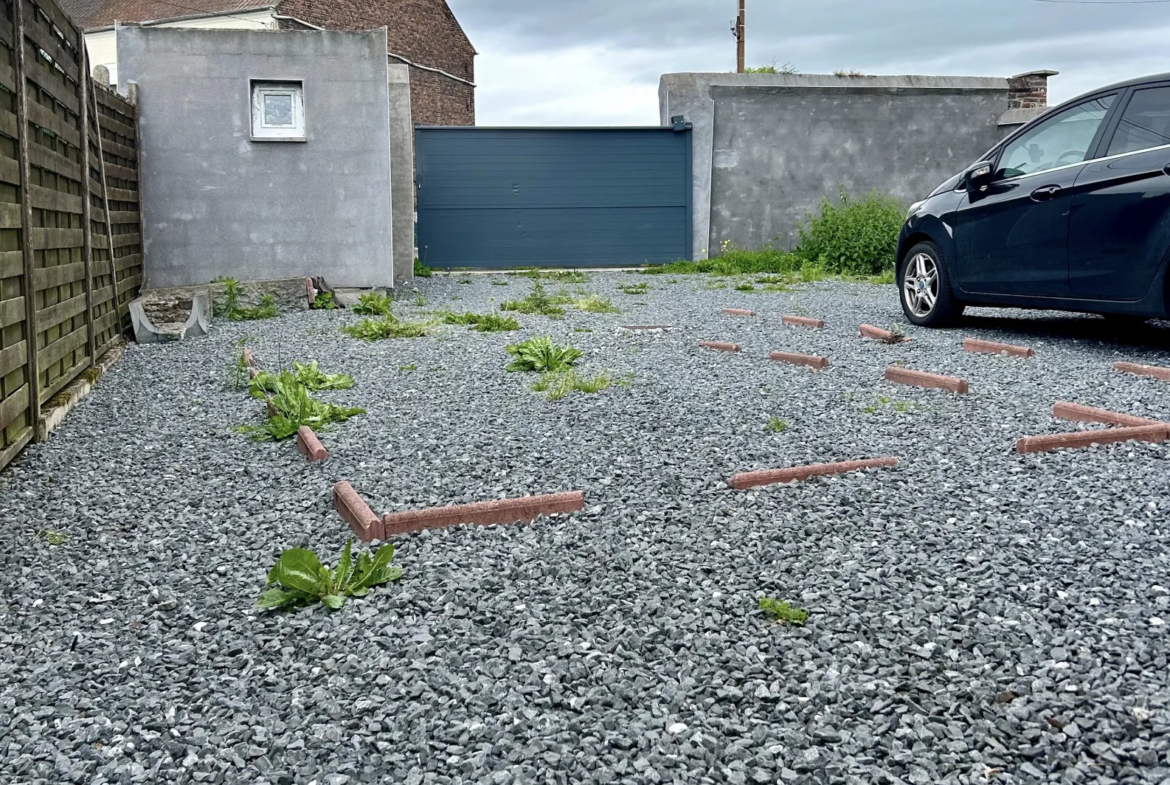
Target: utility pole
point(739, 29)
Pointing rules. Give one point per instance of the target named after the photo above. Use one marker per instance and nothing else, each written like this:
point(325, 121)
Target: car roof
point(1142, 80)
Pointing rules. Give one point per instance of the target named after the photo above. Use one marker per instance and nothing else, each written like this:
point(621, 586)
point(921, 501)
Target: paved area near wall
point(975, 615)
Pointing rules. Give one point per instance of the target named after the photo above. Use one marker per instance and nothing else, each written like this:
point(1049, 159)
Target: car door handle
point(1045, 193)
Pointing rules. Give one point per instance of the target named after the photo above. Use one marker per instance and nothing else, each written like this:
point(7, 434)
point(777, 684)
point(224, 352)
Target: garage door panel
point(554, 197)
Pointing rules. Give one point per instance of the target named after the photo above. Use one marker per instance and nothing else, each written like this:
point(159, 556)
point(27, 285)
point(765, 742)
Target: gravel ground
point(975, 615)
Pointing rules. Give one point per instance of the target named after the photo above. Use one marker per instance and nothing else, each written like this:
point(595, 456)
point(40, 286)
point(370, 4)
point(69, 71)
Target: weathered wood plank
point(11, 358)
point(123, 240)
point(122, 195)
point(63, 23)
point(120, 150)
point(55, 314)
point(105, 321)
point(103, 295)
point(117, 126)
point(11, 451)
point(46, 277)
point(57, 384)
point(36, 31)
point(13, 406)
point(11, 264)
point(63, 346)
point(111, 100)
point(7, 35)
point(121, 172)
point(48, 199)
point(47, 238)
point(124, 217)
point(41, 115)
point(9, 125)
point(133, 282)
point(12, 311)
point(21, 57)
point(128, 261)
point(47, 81)
point(41, 156)
point(9, 170)
point(10, 215)
point(8, 77)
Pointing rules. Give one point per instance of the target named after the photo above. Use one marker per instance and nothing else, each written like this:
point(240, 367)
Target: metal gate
point(553, 197)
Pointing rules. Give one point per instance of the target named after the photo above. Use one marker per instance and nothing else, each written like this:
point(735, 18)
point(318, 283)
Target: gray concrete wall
point(215, 203)
point(768, 147)
point(402, 171)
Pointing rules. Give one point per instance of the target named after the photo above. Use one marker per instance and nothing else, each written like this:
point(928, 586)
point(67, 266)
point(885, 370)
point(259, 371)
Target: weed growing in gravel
point(54, 538)
point(715, 285)
point(538, 301)
point(596, 304)
point(635, 288)
point(231, 308)
point(299, 578)
point(560, 384)
point(315, 379)
point(582, 329)
point(541, 355)
point(421, 270)
point(465, 280)
point(324, 302)
point(240, 369)
point(420, 301)
point(386, 327)
point(778, 610)
point(745, 287)
point(408, 368)
point(901, 407)
point(499, 282)
point(292, 407)
point(564, 276)
point(483, 322)
point(776, 425)
point(896, 334)
point(373, 304)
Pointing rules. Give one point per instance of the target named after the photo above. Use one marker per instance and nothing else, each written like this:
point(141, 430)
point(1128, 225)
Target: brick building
point(423, 34)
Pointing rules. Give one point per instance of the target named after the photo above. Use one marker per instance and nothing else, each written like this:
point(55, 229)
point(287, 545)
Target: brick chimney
point(1030, 90)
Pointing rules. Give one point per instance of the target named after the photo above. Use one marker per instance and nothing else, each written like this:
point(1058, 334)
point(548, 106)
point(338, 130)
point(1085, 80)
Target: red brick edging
point(1144, 370)
point(923, 379)
point(748, 480)
point(869, 331)
point(989, 347)
point(720, 346)
point(811, 360)
point(1063, 410)
point(310, 446)
point(803, 321)
point(523, 510)
point(738, 312)
point(357, 513)
point(1144, 433)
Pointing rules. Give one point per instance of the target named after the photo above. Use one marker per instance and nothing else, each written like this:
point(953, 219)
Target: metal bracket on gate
point(680, 123)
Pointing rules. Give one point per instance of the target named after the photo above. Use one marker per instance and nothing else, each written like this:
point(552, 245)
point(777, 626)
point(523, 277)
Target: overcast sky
point(597, 62)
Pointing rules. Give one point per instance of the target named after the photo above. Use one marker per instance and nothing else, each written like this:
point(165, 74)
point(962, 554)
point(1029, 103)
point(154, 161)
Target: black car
point(1071, 212)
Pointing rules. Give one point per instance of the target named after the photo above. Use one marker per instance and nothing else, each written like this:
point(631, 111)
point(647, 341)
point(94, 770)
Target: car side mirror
point(979, 176)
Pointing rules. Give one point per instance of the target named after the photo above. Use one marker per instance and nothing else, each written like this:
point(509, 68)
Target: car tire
point(924, 287)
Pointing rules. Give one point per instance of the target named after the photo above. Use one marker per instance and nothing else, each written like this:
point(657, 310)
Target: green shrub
point(315, 379)
point(538, 301)
point(776, 425)
point(541, 355)
point(299, 578)
point(421, 270)
point(854, 236)
point(324, 302)
point(387, 327)
point(373, 304)
point(293, 407)
point(778, 610)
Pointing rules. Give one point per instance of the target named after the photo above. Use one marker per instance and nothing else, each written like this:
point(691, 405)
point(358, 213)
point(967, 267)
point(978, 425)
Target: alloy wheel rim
point(920, 285)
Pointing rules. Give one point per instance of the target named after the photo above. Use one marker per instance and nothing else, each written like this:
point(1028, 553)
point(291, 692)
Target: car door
point(1011, 236)
point(1120, 228)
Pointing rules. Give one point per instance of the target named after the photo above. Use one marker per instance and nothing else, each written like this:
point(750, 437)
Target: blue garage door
point(521, 197)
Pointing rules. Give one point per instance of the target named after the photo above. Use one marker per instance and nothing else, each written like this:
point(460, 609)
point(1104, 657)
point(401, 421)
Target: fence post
point(30, 284)
point(87, 247)
point(97, 123)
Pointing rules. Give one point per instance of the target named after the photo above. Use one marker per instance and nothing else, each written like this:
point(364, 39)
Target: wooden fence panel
point(70, 228)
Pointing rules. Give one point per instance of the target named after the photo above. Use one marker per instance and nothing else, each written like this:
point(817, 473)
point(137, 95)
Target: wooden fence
point(70, 233)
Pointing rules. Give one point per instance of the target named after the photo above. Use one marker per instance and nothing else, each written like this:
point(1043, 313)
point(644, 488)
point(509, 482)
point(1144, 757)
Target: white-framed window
point(278, 111)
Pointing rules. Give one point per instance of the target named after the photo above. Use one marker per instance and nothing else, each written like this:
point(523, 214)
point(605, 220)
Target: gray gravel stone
point(976, 616)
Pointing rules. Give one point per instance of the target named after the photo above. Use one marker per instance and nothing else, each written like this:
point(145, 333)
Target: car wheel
point(925, 287)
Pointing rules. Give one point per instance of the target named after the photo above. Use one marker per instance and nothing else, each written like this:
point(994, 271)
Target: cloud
point(597, 62)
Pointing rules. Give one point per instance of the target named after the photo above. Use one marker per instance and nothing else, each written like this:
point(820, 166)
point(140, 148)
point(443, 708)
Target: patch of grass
point(54, 538)
point(786, 68)
point(596, 304)
point(370, 329)
point(316, 380)
point(901, 407)
point(465, 281)
point(265, 309)
point(324, 302)
point(421, 270)
point(499, 282)
point(538, 301)
point(408, 368)
point(373, 304)
point(541, 355)
point(776, 425)
point(560, 384)
point(582, 329)
point(563, 276)
point(712, 285)
point(420, 301)
point(745, 287)
point(483, 322)
point(299, 578)
point(781, 611)
point(635, 288)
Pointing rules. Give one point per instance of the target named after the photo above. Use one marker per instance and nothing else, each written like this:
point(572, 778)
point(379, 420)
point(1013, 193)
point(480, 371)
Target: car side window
point(1060, 140)
point(1145, 123)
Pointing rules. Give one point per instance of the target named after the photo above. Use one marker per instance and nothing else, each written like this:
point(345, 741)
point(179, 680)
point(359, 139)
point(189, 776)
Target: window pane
point(1059, 141)
point(1145, 124)
point(278, 109)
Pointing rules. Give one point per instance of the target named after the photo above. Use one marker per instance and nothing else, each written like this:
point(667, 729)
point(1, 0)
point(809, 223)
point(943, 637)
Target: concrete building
point(769, 147)
point(267, 155)
point(422, 34)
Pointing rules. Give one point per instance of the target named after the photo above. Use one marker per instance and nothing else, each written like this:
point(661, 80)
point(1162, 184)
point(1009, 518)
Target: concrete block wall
point(217, 204)
point(769, 147)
